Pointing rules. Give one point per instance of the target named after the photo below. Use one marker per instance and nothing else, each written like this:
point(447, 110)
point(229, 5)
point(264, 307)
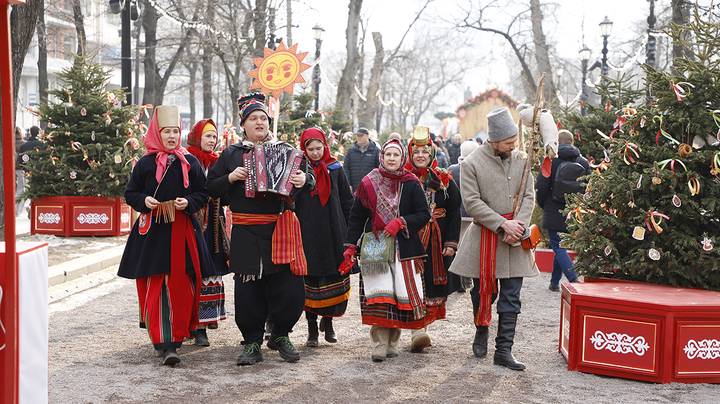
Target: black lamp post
point(651, 45)
point(125, 8)
point(318, 32)
point(605, 30)
point(584, 58)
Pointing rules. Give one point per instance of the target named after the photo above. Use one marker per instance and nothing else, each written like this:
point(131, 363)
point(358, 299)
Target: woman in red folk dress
point(202, 141)
point(165, 253)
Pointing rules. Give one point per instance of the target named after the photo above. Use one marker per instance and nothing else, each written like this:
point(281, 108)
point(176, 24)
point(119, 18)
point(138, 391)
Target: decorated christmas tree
point(616, 93)
point(654, 214)
point(301, 115)
point(91, 141)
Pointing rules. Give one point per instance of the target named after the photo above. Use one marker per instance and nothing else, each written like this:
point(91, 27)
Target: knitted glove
point(347, 264)
point(394, 227)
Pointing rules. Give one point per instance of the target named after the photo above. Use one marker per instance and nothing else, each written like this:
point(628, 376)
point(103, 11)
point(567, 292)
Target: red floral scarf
point(320, 167)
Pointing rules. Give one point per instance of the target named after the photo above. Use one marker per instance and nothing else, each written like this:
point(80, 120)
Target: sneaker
point(555, 288)
point(250, 355)
point(285, 348)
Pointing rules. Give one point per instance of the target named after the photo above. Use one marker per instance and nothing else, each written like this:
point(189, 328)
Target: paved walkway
point(97, 354)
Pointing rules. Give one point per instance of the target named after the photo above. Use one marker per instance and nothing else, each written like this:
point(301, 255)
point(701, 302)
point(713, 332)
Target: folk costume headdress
point(379, 191)
point(432, 175)
point(207, 158)
point(165, 116)
point(249, 103)
point(320, 167)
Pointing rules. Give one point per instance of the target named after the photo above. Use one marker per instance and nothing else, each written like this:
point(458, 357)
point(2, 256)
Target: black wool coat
point(413, 208)
point(249, 245)
point(324, 227)
point(149, 254)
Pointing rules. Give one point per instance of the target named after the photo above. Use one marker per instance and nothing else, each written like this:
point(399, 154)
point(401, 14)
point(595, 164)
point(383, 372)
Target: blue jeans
point(562, 264)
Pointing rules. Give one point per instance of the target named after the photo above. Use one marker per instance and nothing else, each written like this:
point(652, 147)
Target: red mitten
point(394, 227)
point(347, 264)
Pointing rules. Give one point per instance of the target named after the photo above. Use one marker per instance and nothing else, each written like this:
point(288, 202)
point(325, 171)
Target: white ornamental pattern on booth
point(92, 218)
point(49, 218)
point(619, 343)
point(703, 349)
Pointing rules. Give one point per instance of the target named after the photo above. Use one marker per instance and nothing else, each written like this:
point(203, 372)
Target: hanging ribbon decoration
point(715, 167)
point(716, 117)
point(661, 131)
point(618, 125)
point(680, 91)
point(694, 185)
point(145, 109)
point(631, 149)
point(654, 219)
point(672, 162)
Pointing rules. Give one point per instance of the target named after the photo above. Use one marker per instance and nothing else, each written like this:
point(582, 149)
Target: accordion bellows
point(270, 166)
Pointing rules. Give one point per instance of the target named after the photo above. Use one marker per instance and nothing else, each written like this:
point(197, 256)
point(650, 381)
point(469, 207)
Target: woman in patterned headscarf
point(389, 204)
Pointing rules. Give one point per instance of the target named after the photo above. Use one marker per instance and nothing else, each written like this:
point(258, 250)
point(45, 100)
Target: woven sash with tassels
point(432, 230)
point(488, 282)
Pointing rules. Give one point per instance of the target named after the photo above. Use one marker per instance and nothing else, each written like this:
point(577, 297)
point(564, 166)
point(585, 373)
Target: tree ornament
point(638, 233)
point(111, 174)
point(676, 201)
point(587, 196)
point(654, 254)
point(73, 175)
point(108, 118)
point(653, 220)
point(631, 204)
point(715, 166)
point(92, 136)
point(656, 180)
point(83, 111)
point(25, 158)
point(608, 250)
point(680, 89)
point(684, 150)
point(707, 244)
point(694, 185)
point(639, 182)
point(118, 159)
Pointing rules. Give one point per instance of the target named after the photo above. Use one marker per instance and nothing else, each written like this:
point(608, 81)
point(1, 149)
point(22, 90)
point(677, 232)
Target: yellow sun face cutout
point(279, 70)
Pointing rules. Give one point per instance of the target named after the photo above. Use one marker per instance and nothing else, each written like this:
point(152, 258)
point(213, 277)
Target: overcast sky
point(567, 24)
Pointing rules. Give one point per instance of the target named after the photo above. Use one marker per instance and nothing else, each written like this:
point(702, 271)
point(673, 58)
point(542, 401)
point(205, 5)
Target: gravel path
point(97, 354)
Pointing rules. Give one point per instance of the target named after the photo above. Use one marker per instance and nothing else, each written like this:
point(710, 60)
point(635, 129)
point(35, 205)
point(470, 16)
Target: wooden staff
point(533, 145)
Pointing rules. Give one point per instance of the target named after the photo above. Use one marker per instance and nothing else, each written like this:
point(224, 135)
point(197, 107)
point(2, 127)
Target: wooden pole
point(532, 146)
point(10, 311)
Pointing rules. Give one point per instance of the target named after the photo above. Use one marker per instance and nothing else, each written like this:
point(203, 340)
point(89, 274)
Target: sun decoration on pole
point(279, 70)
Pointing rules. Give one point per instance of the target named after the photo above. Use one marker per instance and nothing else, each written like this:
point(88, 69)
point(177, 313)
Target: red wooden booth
point(544, 258)
point(80, 216)
point(641, 331)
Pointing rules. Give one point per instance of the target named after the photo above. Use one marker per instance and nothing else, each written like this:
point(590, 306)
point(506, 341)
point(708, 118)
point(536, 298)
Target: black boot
point(312, 340)
point(170, 358)
point(201, 338)
point(479, 345)
point(327, 327)
point(250, 355)
point(504, 342)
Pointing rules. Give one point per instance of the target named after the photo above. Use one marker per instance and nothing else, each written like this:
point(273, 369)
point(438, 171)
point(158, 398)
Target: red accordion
point(270, 166)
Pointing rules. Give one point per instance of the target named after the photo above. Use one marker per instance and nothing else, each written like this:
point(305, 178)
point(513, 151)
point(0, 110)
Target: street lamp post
point(605, 30)
point(584, 58)
point(651, 41)
point(123, 7)
point(318, 32)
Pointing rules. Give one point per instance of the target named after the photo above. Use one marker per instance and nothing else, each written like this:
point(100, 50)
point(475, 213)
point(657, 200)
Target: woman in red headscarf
point(389, 205)
point(323, 213)
point(164, 252)
point(441, 234)
point(202, 141)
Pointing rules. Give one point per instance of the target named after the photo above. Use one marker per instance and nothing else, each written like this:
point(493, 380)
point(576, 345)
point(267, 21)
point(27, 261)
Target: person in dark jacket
point(362, 158)
point(165, 252)
point(389, 203)
point(453, 148)
point(202, 140)
point(553, 219)
point(440, 235)
point(266, 245)
point(323, 214)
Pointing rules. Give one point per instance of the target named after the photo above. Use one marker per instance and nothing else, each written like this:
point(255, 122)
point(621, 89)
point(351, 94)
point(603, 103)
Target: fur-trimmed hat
point(249, 103)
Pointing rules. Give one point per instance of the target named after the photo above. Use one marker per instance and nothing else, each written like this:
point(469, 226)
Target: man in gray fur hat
point(490, 251)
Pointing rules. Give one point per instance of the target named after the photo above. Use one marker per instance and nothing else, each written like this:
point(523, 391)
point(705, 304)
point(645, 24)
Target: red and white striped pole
point(10, 355)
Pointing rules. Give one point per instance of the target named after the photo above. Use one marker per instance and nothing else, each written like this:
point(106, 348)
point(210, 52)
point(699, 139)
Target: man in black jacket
point(553, 219)
point(362, 158)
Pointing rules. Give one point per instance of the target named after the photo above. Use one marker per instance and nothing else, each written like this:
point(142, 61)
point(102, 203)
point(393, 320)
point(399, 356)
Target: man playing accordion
point(266, 247)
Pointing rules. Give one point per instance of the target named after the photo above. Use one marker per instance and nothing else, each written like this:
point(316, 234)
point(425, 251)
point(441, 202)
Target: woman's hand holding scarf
point(349, 260)
point(394, 227)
